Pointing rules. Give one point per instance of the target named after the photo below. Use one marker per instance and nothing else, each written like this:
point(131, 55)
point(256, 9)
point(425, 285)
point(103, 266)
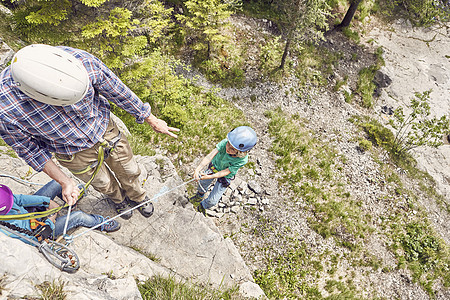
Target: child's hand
point(196, 175)
point(204, 176)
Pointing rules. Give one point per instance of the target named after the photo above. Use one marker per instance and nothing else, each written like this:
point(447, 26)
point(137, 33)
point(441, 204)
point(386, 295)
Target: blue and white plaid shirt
point(35, 130)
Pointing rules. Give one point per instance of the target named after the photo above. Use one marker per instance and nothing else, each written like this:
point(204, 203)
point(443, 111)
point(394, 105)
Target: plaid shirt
point(35, 130)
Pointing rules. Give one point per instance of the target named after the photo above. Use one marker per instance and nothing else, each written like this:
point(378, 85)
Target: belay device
point(57, 254)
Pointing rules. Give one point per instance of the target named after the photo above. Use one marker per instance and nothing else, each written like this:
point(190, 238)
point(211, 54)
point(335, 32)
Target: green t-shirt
point(224, 161)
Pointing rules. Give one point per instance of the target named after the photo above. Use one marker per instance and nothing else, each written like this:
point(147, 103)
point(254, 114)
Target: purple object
point(6, 199)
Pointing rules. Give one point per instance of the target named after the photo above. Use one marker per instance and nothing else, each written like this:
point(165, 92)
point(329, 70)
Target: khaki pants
point(118, 175)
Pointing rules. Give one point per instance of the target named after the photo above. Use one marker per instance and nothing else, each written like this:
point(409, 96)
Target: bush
point(175, 115)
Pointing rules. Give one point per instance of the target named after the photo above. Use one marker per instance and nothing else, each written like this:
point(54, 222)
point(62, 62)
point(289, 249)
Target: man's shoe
point(110, 226)
point(121, 207)
point(146, 210)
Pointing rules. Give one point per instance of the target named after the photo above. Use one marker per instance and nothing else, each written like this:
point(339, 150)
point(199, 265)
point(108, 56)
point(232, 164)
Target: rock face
point(185, 243)
point(416, 60)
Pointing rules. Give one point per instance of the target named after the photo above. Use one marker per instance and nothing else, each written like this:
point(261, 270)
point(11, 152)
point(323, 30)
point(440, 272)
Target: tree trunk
point(285, 53)
point(349, 15)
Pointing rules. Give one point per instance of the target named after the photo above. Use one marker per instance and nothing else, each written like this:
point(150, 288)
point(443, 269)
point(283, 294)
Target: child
point(52, 226)
point(223, 163)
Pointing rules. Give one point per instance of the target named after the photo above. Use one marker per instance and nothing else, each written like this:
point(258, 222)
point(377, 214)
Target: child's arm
point(205, 161)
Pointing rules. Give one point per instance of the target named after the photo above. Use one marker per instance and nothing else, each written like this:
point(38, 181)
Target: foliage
point(351, 34)
point(303, 20)
point(417, 128)
point(284, 276)
point(315, 64)
point(204, 117)
point(425, 255)
point(159, 287)
point(220, 71)
point(204, 20)
point(365, 145)
point(52, 290)
point(420, 12)
point(109, 39)
point(307, 168)
point(366, 86)
point(270, 55)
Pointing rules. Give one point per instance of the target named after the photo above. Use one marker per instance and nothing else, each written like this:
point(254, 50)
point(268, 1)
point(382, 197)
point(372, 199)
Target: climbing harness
point(57, 254)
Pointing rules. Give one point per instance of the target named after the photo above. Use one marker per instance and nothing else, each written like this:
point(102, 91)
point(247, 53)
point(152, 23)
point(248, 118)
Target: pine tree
point(204, 20)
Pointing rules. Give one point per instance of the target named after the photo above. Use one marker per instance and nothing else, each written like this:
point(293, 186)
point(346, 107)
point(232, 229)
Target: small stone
point(252, 201)
point(265, 201)
point(254, 186)
point(235, 209)
point(210, 213)
point(219, 215)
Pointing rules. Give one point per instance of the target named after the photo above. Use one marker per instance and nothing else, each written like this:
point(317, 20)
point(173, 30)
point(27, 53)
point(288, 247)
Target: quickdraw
point(57, 254)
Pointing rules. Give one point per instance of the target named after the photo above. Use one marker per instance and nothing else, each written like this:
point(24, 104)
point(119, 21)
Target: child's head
point(240, 141)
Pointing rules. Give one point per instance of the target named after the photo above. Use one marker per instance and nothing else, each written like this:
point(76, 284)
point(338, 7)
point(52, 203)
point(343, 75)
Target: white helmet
point(50, 75)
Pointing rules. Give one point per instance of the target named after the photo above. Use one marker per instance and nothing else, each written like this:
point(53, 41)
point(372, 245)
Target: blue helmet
point(242, 138)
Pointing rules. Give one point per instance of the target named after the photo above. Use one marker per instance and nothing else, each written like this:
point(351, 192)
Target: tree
point(349, 15)
point(204, 19)
point(302, 20)
point(417, 128)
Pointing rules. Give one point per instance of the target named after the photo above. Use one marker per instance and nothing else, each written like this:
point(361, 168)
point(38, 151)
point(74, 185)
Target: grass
point(365, 85)
point(308, 169)
point(209, 119)
point(416, 245)
point(52, 290)
point(150, 256)
point(9, 151)
point(159, 287)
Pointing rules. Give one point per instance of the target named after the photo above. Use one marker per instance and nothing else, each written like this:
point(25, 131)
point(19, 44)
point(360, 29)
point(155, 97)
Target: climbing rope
point(20, 179)
point(160, 194)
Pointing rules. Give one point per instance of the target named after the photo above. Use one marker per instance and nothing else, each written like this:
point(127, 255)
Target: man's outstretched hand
point(160, 126)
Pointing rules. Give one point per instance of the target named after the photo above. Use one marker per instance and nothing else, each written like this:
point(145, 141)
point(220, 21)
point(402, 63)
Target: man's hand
point(160, 126)
point(70, 191)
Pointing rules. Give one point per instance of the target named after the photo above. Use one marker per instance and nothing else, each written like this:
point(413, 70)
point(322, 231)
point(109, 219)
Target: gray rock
point(255, 187)
point(252, 201)
point(235, 209)
point(251, 290)
point(184, 241)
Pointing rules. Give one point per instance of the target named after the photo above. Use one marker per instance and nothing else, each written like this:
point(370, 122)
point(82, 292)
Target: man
point(56, 100)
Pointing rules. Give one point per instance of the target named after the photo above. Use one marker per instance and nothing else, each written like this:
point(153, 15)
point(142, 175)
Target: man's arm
point(70, 190)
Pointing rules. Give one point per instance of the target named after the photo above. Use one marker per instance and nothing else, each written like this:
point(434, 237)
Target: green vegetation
point(159, 287)
point(417, 128)
point(52, 290)
point(420, 12)
point(144, 46)
point(422, 252)
point(412, 130)
point(307, 168)
point(150, 256)
point(366, 86)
